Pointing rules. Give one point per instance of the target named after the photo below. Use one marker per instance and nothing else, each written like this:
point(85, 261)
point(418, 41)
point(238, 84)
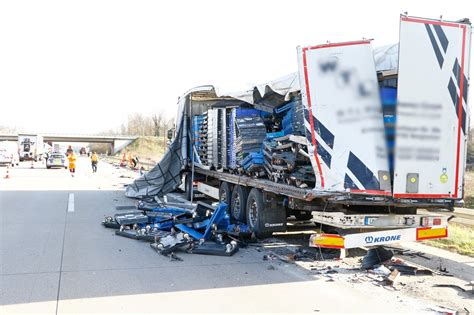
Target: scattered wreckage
point(196, 229)
point(348, 143)
point(366, 145)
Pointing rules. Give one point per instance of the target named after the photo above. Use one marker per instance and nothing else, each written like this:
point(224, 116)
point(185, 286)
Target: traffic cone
point(7, 175)
point(32, 166)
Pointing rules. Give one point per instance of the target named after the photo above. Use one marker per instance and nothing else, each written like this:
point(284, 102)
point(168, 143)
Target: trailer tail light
point(430, 221)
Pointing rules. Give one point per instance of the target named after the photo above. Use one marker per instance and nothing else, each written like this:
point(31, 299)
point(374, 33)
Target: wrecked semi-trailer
point(352, 144)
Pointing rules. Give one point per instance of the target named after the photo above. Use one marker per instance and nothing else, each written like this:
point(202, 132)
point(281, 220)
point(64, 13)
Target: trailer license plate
point(369, 220)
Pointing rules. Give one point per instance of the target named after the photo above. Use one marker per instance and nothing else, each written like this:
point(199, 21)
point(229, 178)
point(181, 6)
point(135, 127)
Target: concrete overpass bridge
point(117, 142)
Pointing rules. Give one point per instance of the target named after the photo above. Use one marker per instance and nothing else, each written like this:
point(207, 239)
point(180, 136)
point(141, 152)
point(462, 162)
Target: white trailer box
point(30, 147)
point(8, 153)
point(344, 122)
point(432, 112)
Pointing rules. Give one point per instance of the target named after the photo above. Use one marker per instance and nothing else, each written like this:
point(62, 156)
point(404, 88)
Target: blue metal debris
point(172, 228)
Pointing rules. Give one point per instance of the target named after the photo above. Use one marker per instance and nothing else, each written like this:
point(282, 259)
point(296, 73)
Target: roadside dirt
point(443, 268)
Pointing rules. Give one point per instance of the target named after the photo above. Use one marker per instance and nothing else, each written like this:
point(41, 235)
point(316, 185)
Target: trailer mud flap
point(274, 214)
point(377, 238)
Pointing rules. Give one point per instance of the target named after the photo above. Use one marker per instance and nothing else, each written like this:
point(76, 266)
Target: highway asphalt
point(56, 258)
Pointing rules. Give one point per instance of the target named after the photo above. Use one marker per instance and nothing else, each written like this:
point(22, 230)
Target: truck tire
point(188, 186)
point(238, 203)
point(48, 167)
point(225, 193)
point(254, 213)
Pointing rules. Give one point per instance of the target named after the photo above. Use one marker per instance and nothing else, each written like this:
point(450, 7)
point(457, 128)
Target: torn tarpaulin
point(166, 175)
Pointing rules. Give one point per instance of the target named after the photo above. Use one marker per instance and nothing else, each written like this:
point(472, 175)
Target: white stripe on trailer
point(388, 237)
point(378, 221)
point(378, 238)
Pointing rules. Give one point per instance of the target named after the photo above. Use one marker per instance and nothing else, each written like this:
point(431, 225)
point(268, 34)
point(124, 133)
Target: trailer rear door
point(343, 117)
point(432, 113)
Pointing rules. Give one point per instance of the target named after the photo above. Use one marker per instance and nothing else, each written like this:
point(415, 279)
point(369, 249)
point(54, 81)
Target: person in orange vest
point(72, 162)
point(123, 162)
point(130, 160)
point(94, 161)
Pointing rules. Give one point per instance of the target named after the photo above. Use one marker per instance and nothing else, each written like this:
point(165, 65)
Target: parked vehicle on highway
point(56, 159)
point(31, 147)
point(8, 153)
point(6, 158)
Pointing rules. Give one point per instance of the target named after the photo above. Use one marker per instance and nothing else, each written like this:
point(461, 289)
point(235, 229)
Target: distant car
point(7, 157)
point(56, 160)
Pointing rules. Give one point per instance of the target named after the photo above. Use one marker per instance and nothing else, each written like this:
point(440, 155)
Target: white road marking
point(70, 204)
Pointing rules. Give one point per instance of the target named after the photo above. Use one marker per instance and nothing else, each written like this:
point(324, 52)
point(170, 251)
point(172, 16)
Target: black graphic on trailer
point(441, 36)
point(362, 173)
point(453, 91)
point(326, 135)
point(27, 143)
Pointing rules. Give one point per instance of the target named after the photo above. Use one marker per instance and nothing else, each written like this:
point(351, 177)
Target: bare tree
point(9, 130)
point(139, 124)
point(157, 122)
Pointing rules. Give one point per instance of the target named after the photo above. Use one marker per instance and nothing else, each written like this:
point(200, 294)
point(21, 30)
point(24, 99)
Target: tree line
point(138, 124)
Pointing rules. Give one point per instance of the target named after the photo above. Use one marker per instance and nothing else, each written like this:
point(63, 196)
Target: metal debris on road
point(380, 270)
point(454, 286)
point(392, 277)
point(195, 229)
point(376, 256)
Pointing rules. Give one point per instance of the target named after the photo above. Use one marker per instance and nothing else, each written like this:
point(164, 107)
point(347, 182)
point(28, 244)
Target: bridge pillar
point(119, 144)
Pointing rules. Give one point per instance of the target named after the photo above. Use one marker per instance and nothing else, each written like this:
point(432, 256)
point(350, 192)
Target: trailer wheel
point(225, 193)
point(188, 186)
point(238, 203)
point(254, 213)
